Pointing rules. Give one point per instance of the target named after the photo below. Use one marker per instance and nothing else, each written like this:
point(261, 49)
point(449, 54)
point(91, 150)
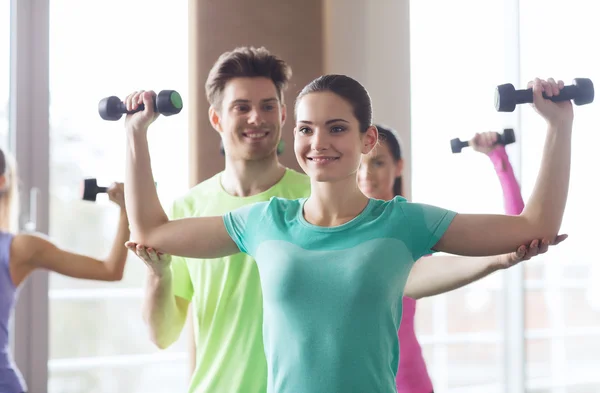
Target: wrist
point(498, 262)
point(136, 133)
point(159, 273)
point(560, 125)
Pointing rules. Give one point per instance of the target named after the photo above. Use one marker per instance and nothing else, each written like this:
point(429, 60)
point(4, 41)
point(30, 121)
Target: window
point(98, 341)
point(452, 74)
point(4, 73)
point(453, 77)
point(562, 295)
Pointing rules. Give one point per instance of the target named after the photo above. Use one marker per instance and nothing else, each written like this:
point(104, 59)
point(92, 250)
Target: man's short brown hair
point(246, 62)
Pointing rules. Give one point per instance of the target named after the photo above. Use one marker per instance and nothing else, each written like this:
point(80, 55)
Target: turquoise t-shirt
point(332, 296)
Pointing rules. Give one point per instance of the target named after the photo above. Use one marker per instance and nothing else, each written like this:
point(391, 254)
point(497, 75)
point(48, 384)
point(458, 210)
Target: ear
point(215, 119)
point(399, 167)
point(3, 182)
point(369, 139)
point(283, 114)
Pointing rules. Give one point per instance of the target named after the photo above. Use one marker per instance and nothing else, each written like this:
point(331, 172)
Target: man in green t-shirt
point(245, 91)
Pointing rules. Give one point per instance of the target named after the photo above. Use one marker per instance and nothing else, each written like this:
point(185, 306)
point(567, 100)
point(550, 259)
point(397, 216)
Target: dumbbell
point(91, 190)
point(506, 138)
point(506, 97)
point(167, 103)
point(280, 148)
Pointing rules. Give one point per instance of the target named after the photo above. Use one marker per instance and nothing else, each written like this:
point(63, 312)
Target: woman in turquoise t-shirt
point(333, 266)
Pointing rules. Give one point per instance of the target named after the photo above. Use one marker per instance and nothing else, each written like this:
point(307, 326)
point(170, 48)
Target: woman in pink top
point(380, 177)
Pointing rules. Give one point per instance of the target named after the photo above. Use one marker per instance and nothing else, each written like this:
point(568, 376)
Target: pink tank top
point(412, 376)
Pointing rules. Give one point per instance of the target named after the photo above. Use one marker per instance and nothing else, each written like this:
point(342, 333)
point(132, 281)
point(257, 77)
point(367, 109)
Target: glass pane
point(475, 365)
point(474, 309)
point(563, 295)
point(582, 361)
point(452, 89)
point(94, 330)
point(110, 48)
point(4, 72)
point(147, 378)
point(539, 355)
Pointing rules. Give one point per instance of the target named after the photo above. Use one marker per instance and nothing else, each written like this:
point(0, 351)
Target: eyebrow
point(327, 122)
point(243, 101)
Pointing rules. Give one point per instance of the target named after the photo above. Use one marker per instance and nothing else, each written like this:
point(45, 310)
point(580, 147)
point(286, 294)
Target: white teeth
point(322, 159)
point(256, 136)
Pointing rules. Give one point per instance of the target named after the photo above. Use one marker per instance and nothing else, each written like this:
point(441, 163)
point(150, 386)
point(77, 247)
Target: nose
point(319, 141)
point(255, 117)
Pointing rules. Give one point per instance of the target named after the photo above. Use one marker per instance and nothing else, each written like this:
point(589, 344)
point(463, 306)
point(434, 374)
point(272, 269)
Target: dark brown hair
point(390, 137)
point(348, 89)
point(246, 62)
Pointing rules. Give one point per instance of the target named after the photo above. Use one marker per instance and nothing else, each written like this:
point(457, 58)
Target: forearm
point(115, 262)
point(513, 200)
point(425, 278)
point(545, 207)
point(143, 206)
point(161, 313)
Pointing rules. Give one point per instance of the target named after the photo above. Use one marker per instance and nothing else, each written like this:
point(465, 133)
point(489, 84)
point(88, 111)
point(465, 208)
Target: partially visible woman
point(380, 177)
point(21, 254)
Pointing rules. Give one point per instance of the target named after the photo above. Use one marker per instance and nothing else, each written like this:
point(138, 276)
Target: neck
point(245, 178)
point(333, 204)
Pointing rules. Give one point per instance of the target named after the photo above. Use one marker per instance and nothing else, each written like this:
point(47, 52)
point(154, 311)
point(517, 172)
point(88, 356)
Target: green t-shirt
point(226, 294)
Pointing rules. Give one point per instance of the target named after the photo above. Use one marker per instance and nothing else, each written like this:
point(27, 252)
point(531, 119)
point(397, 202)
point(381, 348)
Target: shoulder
point(197, 193)
point(274, 206)
point(380, 206)
point(25, 246)
point(294, 184)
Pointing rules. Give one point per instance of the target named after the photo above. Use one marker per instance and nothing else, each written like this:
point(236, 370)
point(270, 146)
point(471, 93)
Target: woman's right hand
point(158, 262)
point(140, 121)
point(484, 142)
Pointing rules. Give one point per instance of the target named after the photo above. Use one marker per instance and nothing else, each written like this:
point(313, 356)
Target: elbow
point(162, 345)
point(117, 276)
point(542, 226)
point(159, 338)
point(160, 341)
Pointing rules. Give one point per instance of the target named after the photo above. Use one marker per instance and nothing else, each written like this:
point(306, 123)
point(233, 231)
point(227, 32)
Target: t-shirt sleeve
point(244, 224)
point(182, 282)
point(427, 226)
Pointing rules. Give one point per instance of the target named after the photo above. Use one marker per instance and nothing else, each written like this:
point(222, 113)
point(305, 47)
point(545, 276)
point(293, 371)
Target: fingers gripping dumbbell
point(167, 103)
point(506, 138)
point(507, 98)
point(90, 189)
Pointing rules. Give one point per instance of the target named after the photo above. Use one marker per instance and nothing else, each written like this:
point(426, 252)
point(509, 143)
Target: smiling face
point(327, 140)
point(249, 119)
point(378, 172)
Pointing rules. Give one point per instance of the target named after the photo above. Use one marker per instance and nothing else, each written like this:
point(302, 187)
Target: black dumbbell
point(91, 190)
point(280, 148)
point(506, 138)
point(507, 98)
point(167, 103)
